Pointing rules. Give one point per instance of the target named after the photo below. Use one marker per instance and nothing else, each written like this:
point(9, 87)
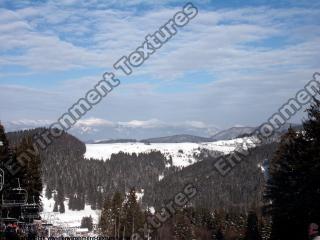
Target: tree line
point(20, 196)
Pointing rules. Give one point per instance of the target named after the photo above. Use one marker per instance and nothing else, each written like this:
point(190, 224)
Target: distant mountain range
point(177, 139)
point(113, 141)
point(228, 134)
point(168, 133)
point(232, 133)
point(94, 129)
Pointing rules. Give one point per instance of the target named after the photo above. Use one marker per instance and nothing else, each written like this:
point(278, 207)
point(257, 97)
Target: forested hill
point(60, 160)
point(90, 180)
point(63, 143)
point(238, 191)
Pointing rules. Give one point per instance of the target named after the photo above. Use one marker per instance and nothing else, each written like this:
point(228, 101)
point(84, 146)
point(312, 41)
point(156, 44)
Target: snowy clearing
point(182, 153)
point(68, 219)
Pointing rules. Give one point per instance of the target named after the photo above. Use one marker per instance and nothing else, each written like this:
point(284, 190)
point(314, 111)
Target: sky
point(235, 64)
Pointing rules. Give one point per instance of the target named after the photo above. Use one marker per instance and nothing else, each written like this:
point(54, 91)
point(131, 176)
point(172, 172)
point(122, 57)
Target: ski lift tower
point(50, 218)
point(1, 186)
point(1, 179)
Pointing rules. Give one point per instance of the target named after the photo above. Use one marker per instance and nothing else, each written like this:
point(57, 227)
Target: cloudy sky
point(236, 63)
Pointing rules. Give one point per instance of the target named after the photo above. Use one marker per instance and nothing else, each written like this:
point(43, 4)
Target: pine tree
point(106, 218)
point(111, 219)
point(55, 207)
point(14, 173)
point(252, 232)
point(32, 181)
point(48, 193)
point(99, 201)
point(117, 213)
point(183, 229)
point(13, 169)
point(294, 187)
point(71, 202)
point(132, 215)
point(4, 145)
point(87, 222)
point(62, 208)
point(60, 197)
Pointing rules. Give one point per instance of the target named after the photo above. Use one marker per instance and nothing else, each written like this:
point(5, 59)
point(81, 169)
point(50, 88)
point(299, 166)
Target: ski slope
point(182, 153)
point(70, 218)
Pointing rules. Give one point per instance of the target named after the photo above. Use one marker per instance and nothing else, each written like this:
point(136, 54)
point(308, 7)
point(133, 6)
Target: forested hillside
point(238, 191)
point(66, 171)
point(82, 180)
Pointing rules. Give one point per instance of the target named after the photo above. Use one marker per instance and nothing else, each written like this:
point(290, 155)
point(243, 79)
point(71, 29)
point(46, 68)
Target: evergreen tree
point(111, 220)
point(106, 218)
point(182, 229)
point(82, 202)
point(133, 218)
point(55, 207)
point(71, 202)
point(99, 201)
point(204, 218)
point(48, 193)
point(294, 187)
point(87, 222)
point(13, 169)
point(32, 179)
point(252, 232)
point(62, 208)
point(60, 197)
point(19, 172)
point(4, 146)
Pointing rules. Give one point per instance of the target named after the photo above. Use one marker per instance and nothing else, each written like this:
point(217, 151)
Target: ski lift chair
point(14, 197)
point(7, 220)
point(30, 211)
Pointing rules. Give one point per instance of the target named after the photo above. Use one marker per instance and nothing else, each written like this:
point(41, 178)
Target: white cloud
point(213, 41)
point(249, 81)
point(94, 122)
point(152, 123)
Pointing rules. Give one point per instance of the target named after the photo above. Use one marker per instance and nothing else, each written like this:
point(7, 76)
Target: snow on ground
point(140, 194)
point(71, 218)
point(182, 153)
point(161, 177)
point(68, 219)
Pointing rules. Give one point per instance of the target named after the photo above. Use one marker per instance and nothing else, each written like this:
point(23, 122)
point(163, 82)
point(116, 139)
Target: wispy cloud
point(239, 64)
point(80, 37)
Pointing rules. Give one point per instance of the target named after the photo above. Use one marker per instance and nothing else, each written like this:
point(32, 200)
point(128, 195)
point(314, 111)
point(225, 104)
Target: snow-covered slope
point(232, 133)
point(69, 218)
point(182, 153)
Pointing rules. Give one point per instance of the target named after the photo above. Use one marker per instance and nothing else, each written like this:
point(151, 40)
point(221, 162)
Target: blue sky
point(236, 63)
